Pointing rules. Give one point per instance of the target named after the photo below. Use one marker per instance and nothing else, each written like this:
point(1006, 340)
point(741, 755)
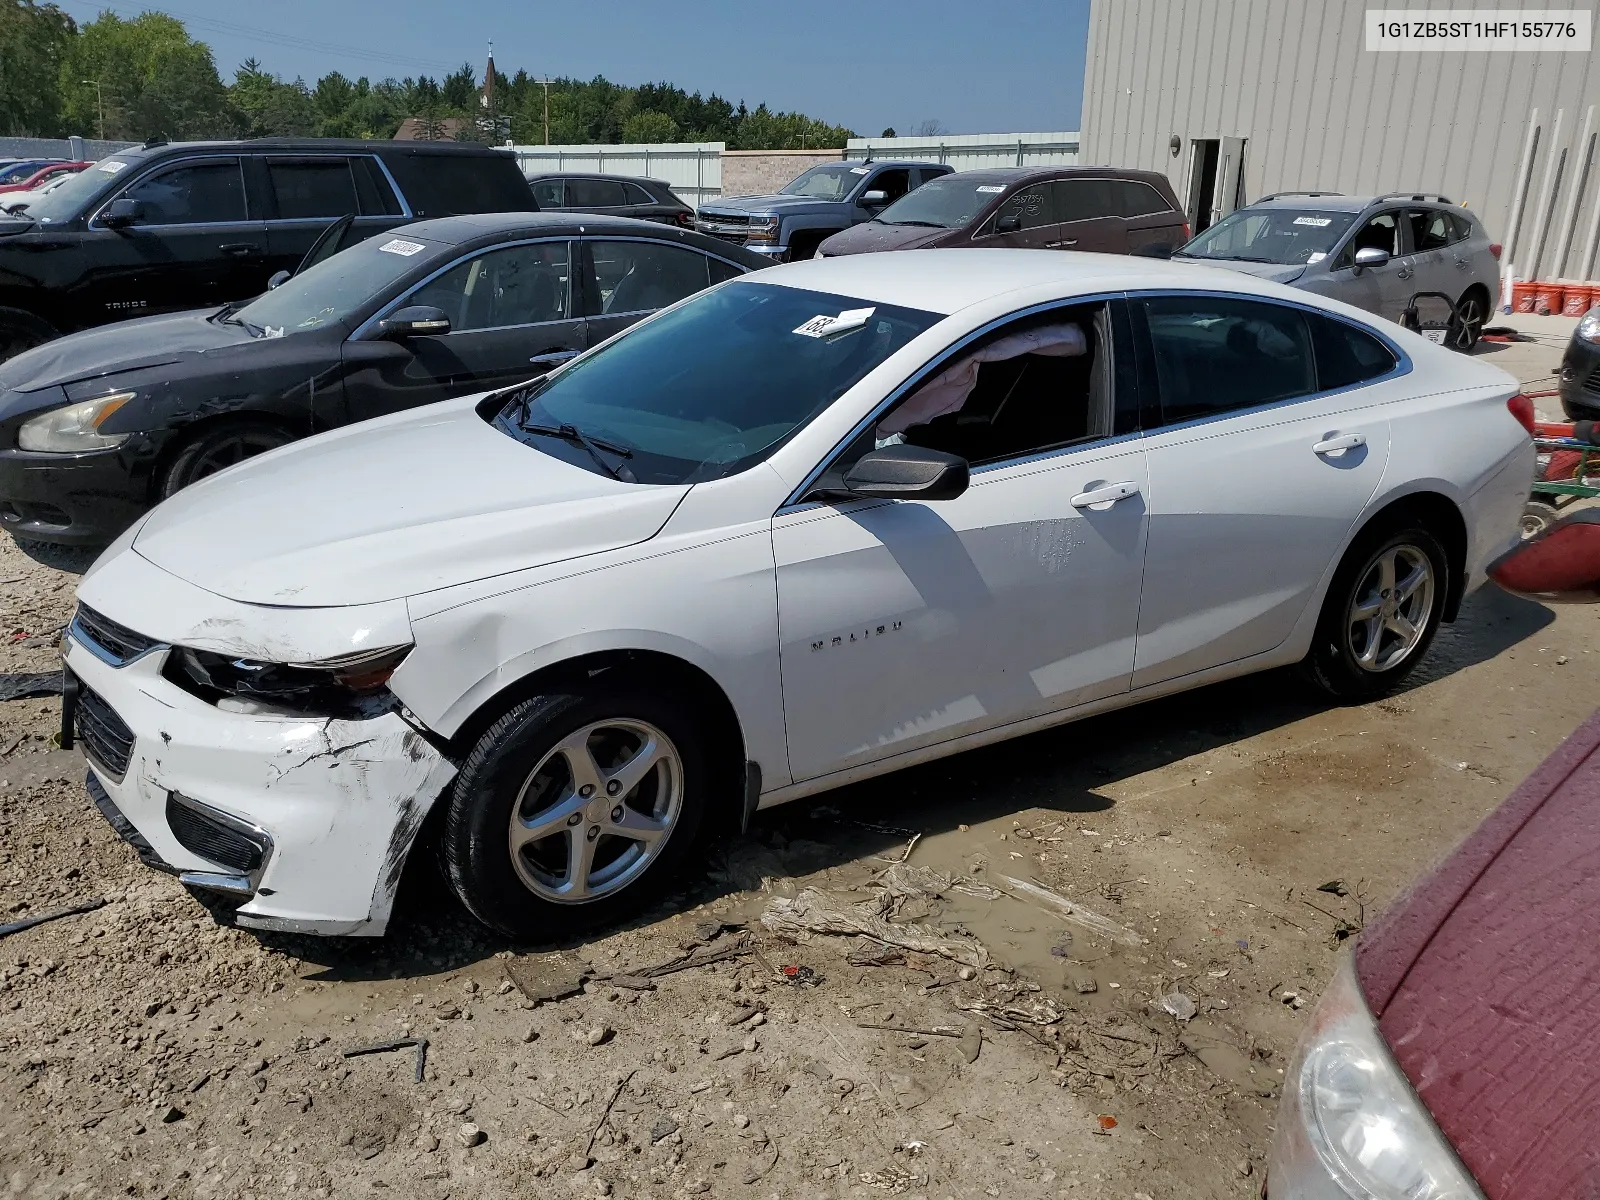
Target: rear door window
point(1347, 355)
point(1215, 355)
point(312, 187)
point(1460, 227)
point(1082, 199)
point(595, 193)
point(548, 192)
point(642, 276)
point(1130, 198)
point(1431, 229)
point(201, 193)
point(634, 194)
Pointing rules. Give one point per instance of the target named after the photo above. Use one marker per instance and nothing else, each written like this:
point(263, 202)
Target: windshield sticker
point(1317, 222)
point(991, 187)
point(858, 170)
point(823, 325)
point(111, 166)
point(401, 247)
point(1316, 256)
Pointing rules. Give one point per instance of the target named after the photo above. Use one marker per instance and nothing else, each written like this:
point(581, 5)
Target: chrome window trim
point(365, 330)
point(405, 205)
point(159, 168)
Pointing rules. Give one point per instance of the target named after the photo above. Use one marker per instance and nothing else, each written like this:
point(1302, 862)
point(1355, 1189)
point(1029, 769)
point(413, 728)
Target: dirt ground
point(1012, 1041)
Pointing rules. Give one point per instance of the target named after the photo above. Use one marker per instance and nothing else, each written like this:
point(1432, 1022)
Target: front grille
point(115, 643)
point(105, 736)
point(729, 228)
point(1592, 383)
point(207, 835)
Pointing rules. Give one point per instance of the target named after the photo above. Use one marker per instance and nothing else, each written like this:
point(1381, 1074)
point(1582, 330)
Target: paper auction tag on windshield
point(1318, 222)
point(858, 170)
point(402, 247)
point(111, 166)
point(990, 187)
point(823, 325)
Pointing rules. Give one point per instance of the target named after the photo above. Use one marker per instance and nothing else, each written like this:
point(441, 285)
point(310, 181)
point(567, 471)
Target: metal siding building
point(1510, 134)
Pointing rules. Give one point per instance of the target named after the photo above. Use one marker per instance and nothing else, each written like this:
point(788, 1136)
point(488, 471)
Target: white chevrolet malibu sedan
point(801, 529)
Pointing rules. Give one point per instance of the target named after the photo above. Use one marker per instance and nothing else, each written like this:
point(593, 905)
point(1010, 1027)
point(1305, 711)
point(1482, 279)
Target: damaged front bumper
point(307, 819)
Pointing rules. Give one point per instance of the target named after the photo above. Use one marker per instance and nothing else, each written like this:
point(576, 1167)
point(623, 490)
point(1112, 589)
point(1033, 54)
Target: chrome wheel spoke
point(1386, 573)
point(1401, 627)
point(635, 826)
point(1413, 581)
point(1365, 610)
point(587, 778)
point(621, 781)
point(545, 823)
point(580, 863)
point(1372, 638)
point(1389, 612)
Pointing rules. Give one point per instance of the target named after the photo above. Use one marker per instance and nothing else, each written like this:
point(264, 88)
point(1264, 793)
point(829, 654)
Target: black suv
point(166, 227)
point(612, 196)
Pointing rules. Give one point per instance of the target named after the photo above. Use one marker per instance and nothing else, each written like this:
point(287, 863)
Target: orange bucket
point(1522, 297)
point(1547, 299)
point(1576, 299)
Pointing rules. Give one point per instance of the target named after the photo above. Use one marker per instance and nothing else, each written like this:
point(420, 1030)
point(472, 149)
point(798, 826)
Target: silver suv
point(1376, 252)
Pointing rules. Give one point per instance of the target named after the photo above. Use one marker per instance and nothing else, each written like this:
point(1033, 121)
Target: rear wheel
point(1381, 611)
point(1467, 325)
point(219, 447)
point(1537, 516)
point(575, 808)
point(21, 331)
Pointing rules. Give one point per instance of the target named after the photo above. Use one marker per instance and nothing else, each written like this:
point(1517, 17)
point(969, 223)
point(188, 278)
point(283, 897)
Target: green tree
point(269, 107)
point(460, 89)
point(155, 80)
point(653, 127)
point(34, 39)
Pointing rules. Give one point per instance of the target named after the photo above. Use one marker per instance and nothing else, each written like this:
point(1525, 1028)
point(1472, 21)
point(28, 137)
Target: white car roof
point(946, 281)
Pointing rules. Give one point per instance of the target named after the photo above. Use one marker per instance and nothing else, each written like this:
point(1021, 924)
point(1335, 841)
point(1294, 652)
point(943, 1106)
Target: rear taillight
point(1494, 249)
point(1186, 233)
point(1521, 408)
point(686, 220)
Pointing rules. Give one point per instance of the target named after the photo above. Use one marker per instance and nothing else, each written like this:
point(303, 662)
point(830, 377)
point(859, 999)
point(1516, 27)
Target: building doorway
point(1216, 180)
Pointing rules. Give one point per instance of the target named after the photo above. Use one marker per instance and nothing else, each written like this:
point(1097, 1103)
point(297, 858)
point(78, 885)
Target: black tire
point(1466, 323)
point(216, 447)
point(1334, 665)
point(1537, 516)
point(21, 331)
point(475, 836)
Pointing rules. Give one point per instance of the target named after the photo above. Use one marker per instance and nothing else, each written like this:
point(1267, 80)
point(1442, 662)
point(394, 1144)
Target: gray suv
point(1376, 252)
point(822, 201)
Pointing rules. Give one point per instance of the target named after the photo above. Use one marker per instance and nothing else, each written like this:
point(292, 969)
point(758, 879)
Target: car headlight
point(1589, 327)
point(327, 685)
point(74, 428)
point(1350, 1124)
point(763, 229)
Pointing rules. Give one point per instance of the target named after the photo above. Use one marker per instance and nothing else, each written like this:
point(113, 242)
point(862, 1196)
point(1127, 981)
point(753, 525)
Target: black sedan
point(97, 427)
point(1580, 370)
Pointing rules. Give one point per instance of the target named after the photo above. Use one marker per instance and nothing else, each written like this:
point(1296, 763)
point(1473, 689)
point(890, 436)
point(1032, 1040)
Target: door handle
point(554, 356)
point(240, 249)
point(1340, 443)
point(1055, 245)
point(1403, 273)
point(1108, 493)
point(1462, 264)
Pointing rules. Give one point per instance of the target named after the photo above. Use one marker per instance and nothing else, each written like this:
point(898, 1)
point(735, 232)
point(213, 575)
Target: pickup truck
point(821, 202)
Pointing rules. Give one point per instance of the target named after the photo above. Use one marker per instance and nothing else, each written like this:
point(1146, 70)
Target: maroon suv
point(1104, 209)
point(1457, 1054)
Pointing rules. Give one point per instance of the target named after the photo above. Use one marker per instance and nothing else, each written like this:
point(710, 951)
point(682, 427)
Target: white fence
point(971, 151)
point(693, 169)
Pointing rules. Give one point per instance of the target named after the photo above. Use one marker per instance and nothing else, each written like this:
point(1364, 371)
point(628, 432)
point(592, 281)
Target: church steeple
point(487, 98)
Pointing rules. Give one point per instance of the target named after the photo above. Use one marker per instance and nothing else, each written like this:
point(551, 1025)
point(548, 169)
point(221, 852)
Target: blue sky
point(972, 67)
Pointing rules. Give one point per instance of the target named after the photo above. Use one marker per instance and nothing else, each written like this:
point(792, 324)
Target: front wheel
point(1381, 612)
point(575, 808)
point(219, 447)
point(1467, 326)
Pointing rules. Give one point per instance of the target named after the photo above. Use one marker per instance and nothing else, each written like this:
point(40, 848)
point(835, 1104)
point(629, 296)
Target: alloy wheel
point(246, 443)
point(1390, 607)
point(1469, 324)
point(596, 811)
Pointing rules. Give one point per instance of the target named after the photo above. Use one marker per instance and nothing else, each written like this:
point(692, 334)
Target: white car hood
point(391, 508)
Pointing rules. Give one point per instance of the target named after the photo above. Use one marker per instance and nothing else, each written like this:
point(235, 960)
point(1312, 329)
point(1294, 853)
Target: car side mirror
point(876, 198)
point(279, 278)
point(418, 320)
point(119, 214)
point(1010, 223)
point(1370, 256)
point(908, 473)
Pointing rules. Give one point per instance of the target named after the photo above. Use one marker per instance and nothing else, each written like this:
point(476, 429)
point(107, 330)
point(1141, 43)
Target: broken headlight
point(328, 685)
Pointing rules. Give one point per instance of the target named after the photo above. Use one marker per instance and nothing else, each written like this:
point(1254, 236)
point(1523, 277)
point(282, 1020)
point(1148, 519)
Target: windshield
point(67, 201)
point(333, 289)
point(948, 202)
point(832, 181)
point(713, 386)
point(1286, 236)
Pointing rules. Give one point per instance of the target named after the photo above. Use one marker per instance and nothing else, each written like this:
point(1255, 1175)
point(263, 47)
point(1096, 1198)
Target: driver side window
point(1032, 386)
point(515, 285)
point(893, 184)
point(1381, 232)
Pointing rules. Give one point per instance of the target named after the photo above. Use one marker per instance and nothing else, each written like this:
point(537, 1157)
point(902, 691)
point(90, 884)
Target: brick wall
point(762, 172)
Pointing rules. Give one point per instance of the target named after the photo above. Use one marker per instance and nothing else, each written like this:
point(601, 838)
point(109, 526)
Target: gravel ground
point(1002, 1048)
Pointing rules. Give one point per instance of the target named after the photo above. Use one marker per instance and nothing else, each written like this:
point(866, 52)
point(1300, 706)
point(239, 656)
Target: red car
point(44, 175)
point(1457, 1053)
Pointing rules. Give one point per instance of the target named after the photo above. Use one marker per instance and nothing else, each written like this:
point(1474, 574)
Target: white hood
point(391, 508)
